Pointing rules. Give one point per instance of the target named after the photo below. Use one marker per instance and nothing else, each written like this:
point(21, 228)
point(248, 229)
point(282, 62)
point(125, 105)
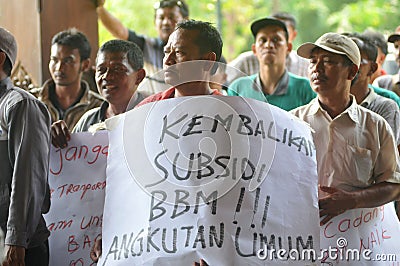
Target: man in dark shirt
point(24, 159)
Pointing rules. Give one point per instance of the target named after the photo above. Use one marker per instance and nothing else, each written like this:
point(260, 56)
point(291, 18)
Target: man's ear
point(373, 68)
point(211, 57)
point(289, 48)
point(85, 64)
point(253, 48)
point(353, 69)
point(140, 75)
point(2, 59)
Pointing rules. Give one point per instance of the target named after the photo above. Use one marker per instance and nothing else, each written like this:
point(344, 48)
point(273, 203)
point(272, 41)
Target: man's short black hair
point(285, 16)
point(378, 39)
point(183, 7)
point(365, 44)
point(133, 52)
point(208, 39)
point(75, 40)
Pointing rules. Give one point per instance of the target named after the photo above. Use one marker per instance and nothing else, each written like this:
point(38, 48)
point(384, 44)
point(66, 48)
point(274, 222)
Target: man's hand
point(202, 263)
point(15, 256)
point(60, 134)
point(337, 202)
point(95, 252)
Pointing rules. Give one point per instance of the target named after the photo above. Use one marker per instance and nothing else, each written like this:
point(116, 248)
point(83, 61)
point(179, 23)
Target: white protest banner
point(77, 184)
point(368, 236)
point(218, 178)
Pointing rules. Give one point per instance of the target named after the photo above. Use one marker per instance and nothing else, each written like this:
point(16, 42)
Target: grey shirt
point(24, 158)
point(387, 108)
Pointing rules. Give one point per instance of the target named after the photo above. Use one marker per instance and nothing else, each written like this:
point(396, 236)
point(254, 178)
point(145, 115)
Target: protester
point(190, 42)
point(366, 96)
point(24, 152)
point(66, 94)
point(379, 40)
point(167, 14)
point(392, 82)
point(119, 71)
point(345, 132)
point(273, 83)
point(247, 64)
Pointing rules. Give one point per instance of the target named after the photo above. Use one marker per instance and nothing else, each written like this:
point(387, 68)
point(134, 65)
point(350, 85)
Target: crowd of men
point(332, 84)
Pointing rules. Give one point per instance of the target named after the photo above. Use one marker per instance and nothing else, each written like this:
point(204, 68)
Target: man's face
point(328, 72)
point(65, 65)
point(367, 68)
point(115, 78)
point(271, 47)
point(165, 20)
point(179, 53)
point(397, 51)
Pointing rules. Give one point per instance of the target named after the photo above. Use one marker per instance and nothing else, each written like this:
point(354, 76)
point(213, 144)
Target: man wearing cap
point(392, 82)
point(247, 63)
point(24, 155)
point(357, 157)
point(273, 83)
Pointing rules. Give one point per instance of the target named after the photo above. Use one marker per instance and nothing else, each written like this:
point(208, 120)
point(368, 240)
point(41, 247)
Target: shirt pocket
point(359, 165)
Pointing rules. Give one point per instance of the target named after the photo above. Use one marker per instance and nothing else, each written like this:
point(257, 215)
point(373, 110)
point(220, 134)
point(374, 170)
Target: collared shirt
point(389, 82)
point(354, 150)
point(168, 94)
point(291, 91)
point(71, 115)
point(247, 64)
point(386, 108)
point(386, 93)
point(93, 120)
point(24, 158)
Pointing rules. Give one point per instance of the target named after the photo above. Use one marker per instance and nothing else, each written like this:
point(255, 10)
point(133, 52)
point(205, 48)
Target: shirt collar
point(369, 99)
point(281, 87)
point(351, 111)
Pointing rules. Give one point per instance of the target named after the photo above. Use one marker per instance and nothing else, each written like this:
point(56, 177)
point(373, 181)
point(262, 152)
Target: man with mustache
point(357, 157)
point(273, 83)
point(119, 71)
point(392, 82)
point(167, 14)
point(190, 60)
point(66, 94)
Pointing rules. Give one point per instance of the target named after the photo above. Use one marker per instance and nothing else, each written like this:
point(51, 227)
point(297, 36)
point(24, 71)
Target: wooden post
point(34, 23)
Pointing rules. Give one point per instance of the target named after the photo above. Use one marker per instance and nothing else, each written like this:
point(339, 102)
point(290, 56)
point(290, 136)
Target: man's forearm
point(112, 24)
point(377, 195)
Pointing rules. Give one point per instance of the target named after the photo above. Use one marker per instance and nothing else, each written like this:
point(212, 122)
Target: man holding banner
point(357, 158)
point(205, 177)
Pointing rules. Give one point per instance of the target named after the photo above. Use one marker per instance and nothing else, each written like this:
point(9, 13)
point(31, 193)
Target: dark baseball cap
point(268, 21)
point(8, 45)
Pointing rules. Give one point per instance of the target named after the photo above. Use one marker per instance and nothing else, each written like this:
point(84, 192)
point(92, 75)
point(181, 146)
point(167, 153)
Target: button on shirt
point(354, 150)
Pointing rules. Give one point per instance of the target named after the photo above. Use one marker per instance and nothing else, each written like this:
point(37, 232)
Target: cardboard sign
point(217, 178)
point(77, 184)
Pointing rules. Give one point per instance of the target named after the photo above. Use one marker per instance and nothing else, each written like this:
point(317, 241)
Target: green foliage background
point(314, 17)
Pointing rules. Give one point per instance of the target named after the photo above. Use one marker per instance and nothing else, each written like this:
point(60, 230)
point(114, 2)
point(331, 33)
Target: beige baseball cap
point(334, 43)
